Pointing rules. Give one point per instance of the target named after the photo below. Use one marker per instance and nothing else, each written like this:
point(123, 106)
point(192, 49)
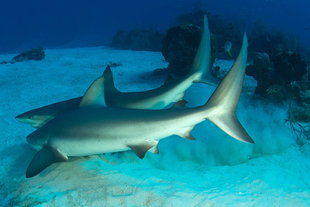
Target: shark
point(91, 130)
point(104, 92)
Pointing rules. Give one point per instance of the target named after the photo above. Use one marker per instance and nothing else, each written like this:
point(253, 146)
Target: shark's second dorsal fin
point(44, 158)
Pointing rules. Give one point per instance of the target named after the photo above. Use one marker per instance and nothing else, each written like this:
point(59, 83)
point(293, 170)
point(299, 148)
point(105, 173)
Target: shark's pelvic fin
point(44, 158)
point(223, 102)
point(141, 149)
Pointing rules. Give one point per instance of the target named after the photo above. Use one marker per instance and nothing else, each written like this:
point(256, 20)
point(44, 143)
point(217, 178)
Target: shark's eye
point(29, 116)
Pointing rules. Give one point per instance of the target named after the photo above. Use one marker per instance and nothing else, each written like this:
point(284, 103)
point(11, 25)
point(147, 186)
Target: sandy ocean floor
point(214, 170)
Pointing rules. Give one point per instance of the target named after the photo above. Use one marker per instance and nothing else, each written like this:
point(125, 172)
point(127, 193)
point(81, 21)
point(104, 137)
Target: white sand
point(214, 170)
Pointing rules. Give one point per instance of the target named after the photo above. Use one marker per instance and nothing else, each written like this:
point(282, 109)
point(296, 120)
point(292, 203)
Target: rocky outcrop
point(33, 54)
point(179, 48)
point(275, 74)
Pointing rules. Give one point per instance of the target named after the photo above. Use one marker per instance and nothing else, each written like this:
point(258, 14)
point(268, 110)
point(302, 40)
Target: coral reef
point(179, 47)
point(300, 110)
point(33, 54)
point(221, 31)
point(289, 66)
point(262, 38)
point(275, 74)
point(181, 42)
point(137, 39)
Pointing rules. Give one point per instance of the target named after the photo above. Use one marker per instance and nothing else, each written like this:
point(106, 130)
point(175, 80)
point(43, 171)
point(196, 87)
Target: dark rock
point(221, 31)
point(156, 75)
point(274, 75)
point(179, 48)
point(301, 90)
point(33, 54)
point(262, 38)
point(299, 114)
point(276, 92)
point(137, 39)
point(4, 62)
point(114, 64)
point(181, 42)
point(289, 67)
point(262, 71)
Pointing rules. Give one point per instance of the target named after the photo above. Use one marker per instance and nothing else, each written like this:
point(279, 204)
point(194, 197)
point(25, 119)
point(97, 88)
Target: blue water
point(214, 170)
point(54, 24)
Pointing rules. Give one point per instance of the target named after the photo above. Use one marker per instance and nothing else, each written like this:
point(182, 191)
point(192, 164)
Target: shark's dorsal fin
point(94, 95)
point(109, 86)
point(44, 158)
point(186, 133)
point(141, 149)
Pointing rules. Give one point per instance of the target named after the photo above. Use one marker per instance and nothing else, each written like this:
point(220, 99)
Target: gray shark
point(94, 130)
point(159, 98)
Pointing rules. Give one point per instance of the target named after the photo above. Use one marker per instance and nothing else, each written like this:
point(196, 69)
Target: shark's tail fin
point(222, 104)
point(202, 60)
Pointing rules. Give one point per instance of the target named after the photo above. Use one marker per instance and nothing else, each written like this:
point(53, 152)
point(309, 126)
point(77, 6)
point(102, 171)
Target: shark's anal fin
point(186, 133)
point(180, 103)
point(44, 158)
point(141, 149)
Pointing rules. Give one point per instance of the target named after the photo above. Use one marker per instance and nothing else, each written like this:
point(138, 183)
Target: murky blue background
point(70, 23)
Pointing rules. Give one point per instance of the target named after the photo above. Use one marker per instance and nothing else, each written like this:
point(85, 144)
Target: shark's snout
point(20, 118)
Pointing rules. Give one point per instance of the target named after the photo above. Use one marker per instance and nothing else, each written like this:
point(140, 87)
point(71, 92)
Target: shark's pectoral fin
point(44, 158)
point(186, 133)
point(142, 148)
